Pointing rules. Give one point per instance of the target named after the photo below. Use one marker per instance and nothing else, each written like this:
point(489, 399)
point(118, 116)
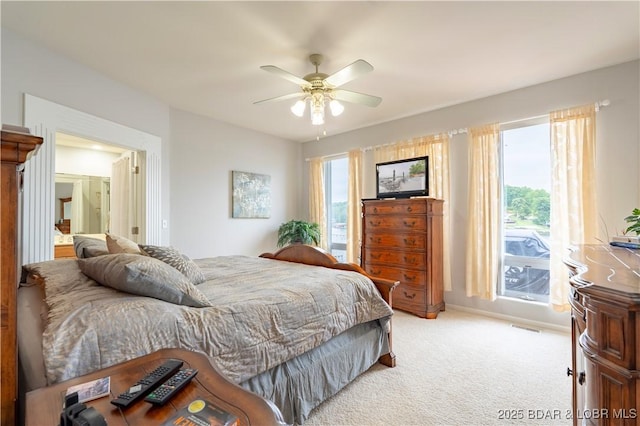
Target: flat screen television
point(403, 178)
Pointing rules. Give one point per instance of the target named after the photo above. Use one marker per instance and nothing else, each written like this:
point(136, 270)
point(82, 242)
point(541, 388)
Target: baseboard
point(511, 319)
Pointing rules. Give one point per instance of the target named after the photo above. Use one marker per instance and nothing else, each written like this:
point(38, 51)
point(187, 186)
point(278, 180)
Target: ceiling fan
point(319, 88)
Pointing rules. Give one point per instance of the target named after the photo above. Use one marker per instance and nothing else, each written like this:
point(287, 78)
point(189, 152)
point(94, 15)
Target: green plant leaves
point(634, 220)
point(298, 232)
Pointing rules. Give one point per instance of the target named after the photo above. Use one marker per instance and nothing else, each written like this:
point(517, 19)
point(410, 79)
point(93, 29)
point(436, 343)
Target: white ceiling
point(204, 57)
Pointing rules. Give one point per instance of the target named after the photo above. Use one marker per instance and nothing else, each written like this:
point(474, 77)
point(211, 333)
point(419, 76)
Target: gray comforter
point(264, 313)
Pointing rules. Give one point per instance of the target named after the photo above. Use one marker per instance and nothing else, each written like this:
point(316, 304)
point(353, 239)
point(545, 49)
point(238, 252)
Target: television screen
point(403, 178)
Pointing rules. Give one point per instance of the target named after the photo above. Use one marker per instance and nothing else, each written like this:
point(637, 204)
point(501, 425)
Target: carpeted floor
point(460, 369)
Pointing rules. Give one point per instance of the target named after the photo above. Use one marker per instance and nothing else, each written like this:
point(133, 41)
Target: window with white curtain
point(526, 188)
point(336, 173)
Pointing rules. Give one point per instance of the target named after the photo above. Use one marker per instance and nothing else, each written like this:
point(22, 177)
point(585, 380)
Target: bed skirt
point(301, 384)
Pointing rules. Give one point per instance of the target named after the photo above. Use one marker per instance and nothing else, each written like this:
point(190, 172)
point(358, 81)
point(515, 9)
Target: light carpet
point(460, 369)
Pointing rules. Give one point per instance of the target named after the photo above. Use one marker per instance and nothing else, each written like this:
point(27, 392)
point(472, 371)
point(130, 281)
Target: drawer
point(396, 207)
point(403, 259)
point(62, 251)
point(613, 328)
point(409, 297)
point(407, 223)
point(401, 240)
point(405, 276)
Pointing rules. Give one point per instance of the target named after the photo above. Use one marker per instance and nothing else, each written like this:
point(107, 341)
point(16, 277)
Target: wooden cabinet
point(605, 301)
point(64, 226)
point(64, 251)
point(44, 404)
point(15, 147)
point(402, 241)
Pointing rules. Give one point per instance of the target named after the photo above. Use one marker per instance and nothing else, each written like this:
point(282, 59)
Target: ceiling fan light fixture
point(298, 108)
point(336, 108)
point(321, 89)
point(317, 116)
point(317, 108)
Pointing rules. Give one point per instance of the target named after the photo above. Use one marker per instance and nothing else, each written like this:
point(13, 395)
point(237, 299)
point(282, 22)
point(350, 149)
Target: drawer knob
point(409, 260)
point(409, 296)
point(372, 223)
point(376, 256)
point(410, 241)
point(582, 377)
point(409, 225)
point(409, 209)
point(409, 277)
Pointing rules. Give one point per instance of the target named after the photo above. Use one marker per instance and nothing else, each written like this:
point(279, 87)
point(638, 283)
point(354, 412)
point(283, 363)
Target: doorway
point(46, 119)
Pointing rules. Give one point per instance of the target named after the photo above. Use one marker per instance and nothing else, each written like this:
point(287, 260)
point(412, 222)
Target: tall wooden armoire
point(16, 144)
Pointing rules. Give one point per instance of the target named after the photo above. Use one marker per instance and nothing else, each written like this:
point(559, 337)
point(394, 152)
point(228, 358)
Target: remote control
point(165, 391)
point(148, 383)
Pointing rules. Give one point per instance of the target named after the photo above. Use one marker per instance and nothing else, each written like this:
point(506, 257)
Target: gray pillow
point(173, 257)
point(144, 276)
point(88, 246)
point(119, 244)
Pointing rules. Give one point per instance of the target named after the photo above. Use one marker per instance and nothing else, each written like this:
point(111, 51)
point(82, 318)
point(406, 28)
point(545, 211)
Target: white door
point(124, 201)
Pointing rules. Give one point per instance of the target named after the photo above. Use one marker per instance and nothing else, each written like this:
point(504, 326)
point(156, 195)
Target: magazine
point(92, 390)
point(202, 413)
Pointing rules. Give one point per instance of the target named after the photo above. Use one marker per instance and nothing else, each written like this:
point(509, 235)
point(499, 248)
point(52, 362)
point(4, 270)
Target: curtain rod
point(598, 105)
point(369, 148)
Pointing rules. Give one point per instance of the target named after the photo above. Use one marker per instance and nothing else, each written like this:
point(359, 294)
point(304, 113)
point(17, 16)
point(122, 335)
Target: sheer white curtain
point(354, 195)
point(483, 224)
point(77, 208)
point(119, 199)
point(316, 198)
point(573, 200)
point(437, 148)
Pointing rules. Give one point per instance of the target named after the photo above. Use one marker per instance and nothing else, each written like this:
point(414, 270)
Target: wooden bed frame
point(16, 143)
point(310, 255)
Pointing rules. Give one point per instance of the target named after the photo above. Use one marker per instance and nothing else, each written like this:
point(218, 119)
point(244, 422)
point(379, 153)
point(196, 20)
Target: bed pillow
point(173, 257)
point(144, 276)
point(89, 247)
point(118, 244)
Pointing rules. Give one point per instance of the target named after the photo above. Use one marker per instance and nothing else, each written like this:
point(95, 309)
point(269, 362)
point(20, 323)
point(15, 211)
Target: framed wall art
point(251, 195)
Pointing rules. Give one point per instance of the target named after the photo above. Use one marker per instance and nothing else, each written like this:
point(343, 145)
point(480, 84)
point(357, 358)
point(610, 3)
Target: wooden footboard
point(310, 255)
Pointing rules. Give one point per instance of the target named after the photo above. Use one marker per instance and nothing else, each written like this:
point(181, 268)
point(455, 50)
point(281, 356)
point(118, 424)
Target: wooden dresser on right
point(402, 241)
point(605, 322)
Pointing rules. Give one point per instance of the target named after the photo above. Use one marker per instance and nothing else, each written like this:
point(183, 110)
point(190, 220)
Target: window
point(336, 174)
point(526, 186)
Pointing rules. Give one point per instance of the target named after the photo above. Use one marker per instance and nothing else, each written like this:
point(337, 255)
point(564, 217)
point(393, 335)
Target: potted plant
point(634, 220)
point(634, 228)
point(298, 232)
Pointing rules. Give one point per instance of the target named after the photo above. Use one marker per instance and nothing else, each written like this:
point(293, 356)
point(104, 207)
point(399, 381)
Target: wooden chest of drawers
point(605, 318)
point(402, 241)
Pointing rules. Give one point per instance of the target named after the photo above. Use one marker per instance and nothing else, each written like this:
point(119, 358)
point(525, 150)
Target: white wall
point(88, 162)
point(198, 153)
point(203, 154)
point(618, 156)
point(33, 69)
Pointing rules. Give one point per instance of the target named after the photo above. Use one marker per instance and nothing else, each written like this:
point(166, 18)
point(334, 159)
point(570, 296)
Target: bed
point(294, 326)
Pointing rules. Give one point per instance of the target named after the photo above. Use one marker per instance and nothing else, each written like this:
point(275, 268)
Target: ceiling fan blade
point(299, 95)
point(285, 74)
point(357, 98)
point(348, 73)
